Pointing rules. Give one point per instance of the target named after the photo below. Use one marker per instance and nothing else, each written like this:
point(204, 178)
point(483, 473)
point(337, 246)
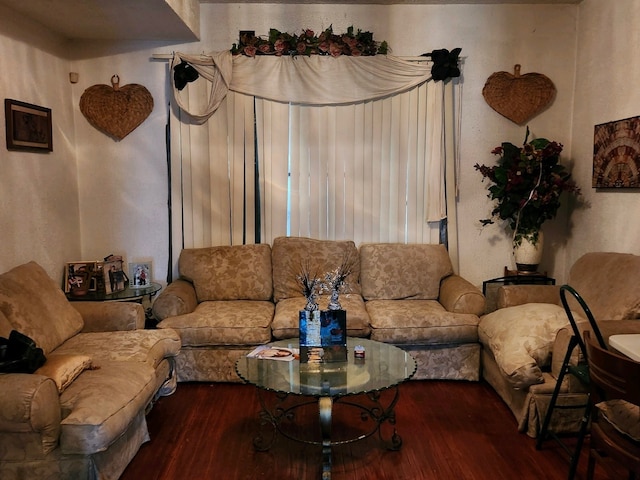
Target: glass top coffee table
point(358, 383)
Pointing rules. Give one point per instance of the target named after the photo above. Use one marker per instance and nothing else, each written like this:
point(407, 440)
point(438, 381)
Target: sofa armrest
point(178, 298)
point(110, 316)
point(458, 295)
point(30, 408)
point(512, 295)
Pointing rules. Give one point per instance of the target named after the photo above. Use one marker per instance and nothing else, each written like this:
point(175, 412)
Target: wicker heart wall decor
point(116, 110)
point(518, 97)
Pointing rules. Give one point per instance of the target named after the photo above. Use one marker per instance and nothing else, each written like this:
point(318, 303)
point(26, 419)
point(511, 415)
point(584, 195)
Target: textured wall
point(492, 37)
point(606, 91)
point(122, 185)
point(39, 217)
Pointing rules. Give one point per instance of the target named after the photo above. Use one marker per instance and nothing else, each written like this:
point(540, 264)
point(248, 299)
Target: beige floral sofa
point(82, 414)
point(221, 306)
point(526, 339)
point(415, 301)
point(229, 299)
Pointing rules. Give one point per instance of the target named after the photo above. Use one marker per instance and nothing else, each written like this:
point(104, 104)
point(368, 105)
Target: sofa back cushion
point(610, 284)
point(291, 254)
point(238, 272)
point(37, 307)
point(392, 271)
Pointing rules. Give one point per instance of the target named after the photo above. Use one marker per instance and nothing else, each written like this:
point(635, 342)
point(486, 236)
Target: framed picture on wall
point(140, 274)
point(616, 154)
point(28, 126)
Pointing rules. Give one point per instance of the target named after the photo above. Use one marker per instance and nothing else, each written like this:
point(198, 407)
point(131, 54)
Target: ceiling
point(158, 19)
point(114, 19)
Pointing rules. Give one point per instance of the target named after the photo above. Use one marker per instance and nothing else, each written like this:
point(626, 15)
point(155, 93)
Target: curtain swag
point(312, 80)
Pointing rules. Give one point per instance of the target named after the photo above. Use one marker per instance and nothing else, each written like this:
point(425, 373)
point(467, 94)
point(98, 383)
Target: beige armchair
point(524, 341)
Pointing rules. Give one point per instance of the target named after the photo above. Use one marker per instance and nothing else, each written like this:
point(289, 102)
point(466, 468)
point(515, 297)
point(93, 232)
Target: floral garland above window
point(352, 43)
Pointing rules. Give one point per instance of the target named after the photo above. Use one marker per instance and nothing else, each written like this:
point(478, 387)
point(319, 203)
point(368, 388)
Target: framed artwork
point(28, 126)
point(616, 154)
point(80, 277)
point(140, 274)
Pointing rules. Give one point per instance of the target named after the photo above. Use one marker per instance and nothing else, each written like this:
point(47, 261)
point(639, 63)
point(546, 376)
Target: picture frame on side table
point(140, 274)
point(28, 126)
point(114, 276)
point(80, 277)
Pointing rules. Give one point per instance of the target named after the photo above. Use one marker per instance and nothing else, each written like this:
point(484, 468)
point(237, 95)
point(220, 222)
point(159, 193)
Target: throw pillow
point(623, 416)
point(64, 369)
point(521, 339)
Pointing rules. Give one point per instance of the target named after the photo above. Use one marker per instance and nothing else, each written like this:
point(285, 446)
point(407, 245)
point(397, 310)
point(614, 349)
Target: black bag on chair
point(20, 354)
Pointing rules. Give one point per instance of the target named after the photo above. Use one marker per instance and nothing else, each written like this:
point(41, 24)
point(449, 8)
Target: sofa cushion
point(37, 307)
point(237, 322)
point(393, 271)
point(143, 346)
point(420, 322)
point(286, 319)
point(521, 339)
point(64, 369)
point(623, 416)
point(238, 272)
point(290, 254)
point(100, 404)
point(610, 284)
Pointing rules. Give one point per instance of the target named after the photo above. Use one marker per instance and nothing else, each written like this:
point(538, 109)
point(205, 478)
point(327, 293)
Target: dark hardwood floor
point(450, 430)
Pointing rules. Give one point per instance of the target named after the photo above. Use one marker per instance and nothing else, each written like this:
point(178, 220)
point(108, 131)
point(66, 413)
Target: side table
point(129, 294)
point(511, 277)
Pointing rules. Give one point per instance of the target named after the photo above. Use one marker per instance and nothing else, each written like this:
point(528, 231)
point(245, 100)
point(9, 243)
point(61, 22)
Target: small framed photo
point(28, 126)
point(140, 274)
point(80, 277)
point(114, 276)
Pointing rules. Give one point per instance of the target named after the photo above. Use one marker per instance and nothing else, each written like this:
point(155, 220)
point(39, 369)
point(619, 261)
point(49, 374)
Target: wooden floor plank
point(450, 430)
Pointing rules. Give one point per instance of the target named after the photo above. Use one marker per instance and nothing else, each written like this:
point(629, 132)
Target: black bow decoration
point(445, 63)
point(183, 74)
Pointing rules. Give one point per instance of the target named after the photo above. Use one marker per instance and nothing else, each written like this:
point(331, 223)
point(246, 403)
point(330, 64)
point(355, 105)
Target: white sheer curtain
point(371, 170)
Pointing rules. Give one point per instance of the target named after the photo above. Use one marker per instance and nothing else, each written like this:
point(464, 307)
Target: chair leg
point(575, 458)
point(591, 465)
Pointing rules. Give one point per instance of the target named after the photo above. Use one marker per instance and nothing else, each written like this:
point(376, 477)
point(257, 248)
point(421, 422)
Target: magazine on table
point(268, 352)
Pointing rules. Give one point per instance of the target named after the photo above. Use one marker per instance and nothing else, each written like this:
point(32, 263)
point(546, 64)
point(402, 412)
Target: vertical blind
point(371, 172)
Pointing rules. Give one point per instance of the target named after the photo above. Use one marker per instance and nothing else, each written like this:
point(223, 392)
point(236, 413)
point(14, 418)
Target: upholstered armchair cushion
point(37, 307)
point(521, 339)
point(291, 254)
point(99, 405)
point(238, 272)
point(143, 346)
point(5, 326)
point(610, 284)
point(623, 416)
point(403, 271)
point(512, 295)
point(110, 316)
